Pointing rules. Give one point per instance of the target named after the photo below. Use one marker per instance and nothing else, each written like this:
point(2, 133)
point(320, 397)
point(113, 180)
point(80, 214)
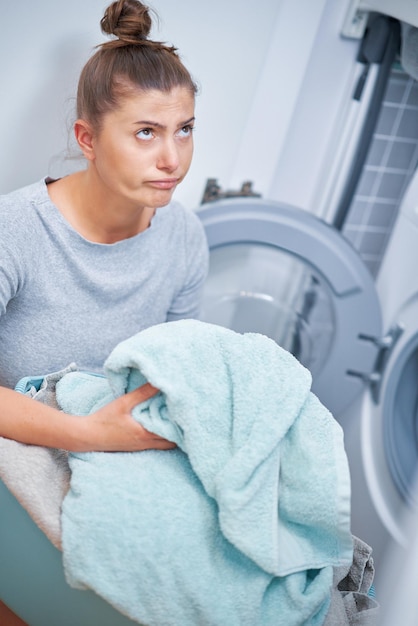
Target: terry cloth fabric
point(352, 602)
point(243, 523)
point(38, 477)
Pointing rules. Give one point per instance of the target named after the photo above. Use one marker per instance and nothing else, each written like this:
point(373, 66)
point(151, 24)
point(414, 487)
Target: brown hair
point(127, 63)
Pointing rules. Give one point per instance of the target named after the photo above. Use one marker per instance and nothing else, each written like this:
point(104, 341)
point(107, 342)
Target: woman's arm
point(110, 429)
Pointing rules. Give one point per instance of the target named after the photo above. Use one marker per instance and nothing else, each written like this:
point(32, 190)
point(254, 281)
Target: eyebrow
point(158, 125)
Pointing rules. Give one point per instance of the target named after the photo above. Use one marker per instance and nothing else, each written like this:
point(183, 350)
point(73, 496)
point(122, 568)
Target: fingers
point(131, 400)
point(140, 394)
point(157, 442)
point(163, 444)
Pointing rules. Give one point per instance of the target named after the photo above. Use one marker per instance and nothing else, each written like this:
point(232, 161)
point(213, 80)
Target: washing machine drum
point(401, 431)
point(397, 409)
point(254, 287)
point(282, 272)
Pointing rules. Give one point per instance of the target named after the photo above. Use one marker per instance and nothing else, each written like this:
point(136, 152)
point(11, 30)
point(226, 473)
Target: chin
point(161, 200)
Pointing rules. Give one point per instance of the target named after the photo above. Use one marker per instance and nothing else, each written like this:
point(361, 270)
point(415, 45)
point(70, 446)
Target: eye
point(186, 131)
point(145, 133)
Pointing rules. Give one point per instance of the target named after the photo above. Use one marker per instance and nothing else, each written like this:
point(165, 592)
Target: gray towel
point(38, 477)
point(350, 603)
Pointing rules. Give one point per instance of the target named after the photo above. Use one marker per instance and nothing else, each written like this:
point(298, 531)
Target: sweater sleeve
point(11, 252)
point(186, 303)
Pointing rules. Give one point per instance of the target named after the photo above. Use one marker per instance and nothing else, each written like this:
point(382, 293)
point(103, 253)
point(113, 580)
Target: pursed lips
point(165, 183)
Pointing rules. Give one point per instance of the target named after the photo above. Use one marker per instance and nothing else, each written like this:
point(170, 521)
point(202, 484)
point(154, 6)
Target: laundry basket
point(32, 581)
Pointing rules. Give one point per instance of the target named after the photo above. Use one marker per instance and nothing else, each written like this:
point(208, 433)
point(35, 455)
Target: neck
point(94, 213)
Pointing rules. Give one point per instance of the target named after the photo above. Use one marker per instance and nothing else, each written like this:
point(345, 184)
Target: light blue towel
point(243, 523)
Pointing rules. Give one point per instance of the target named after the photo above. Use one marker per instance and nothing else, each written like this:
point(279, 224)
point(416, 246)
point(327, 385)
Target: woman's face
point(144, 148)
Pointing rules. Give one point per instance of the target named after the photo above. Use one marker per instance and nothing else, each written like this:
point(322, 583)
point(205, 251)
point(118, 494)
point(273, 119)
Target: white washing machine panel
point(381, 442)
point(389, 444)
point(390, 467)
point(282, 271)
point(382, 428)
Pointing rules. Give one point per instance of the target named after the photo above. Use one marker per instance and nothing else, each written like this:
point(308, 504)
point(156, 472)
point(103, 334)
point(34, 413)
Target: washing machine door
point(282, 272)
point(389, 428)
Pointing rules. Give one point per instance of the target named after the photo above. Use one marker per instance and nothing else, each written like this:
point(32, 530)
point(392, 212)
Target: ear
point(84, 137)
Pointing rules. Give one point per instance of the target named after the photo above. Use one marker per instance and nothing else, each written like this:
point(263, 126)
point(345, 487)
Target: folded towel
point(38, 477)
point(244, 522)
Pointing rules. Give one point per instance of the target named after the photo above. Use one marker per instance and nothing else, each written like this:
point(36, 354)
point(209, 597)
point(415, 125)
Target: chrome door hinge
point(385, 346)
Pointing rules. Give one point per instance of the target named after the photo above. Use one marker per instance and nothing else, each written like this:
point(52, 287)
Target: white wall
point(45, 43)
point(272, 76)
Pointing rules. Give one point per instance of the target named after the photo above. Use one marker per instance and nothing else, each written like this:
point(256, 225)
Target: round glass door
point(389, 429)
point(259, 288)
point(400, 422)
point(282, 272)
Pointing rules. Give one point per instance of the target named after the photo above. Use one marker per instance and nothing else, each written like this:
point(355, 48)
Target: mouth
point(164, 183)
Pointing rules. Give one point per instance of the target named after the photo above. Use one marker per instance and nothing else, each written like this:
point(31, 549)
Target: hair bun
point(128, 20)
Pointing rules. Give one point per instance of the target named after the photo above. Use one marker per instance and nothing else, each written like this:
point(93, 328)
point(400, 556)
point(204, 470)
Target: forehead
point(174, 106)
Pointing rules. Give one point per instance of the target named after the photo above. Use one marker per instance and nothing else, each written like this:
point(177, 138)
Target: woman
point(91, 259)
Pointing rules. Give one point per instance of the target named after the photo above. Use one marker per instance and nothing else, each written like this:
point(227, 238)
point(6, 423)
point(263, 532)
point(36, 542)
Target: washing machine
point(281, 271)
point(381, 427)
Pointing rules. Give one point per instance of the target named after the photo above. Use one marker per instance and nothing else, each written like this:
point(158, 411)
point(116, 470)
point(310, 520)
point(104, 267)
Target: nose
point(168, 157)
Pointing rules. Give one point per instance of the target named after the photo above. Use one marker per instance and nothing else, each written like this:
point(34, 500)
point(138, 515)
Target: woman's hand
point(112, 428)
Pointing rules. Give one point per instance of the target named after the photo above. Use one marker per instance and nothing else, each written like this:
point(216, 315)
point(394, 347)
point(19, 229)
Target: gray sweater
point(65, 299)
